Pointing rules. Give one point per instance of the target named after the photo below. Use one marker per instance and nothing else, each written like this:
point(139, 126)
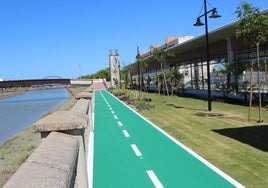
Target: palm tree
point(142, 64)
point(161, 55)
point(235, 69)
point(174, 77)
point(253, 29)
point(159, 82)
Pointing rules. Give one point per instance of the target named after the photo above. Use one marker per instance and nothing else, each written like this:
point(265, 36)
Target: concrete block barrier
point(89, 89)
point(81, 106)
point(53, 164)
point(60, 121)
point(84, 95)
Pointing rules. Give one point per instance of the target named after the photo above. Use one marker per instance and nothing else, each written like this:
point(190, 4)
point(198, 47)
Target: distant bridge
point(28, 83)
point(53, 77)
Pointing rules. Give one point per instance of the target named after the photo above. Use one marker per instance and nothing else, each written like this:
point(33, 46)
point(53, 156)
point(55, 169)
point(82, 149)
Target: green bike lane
point(130, 151)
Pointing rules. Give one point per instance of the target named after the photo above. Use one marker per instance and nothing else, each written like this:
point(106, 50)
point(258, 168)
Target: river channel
point(21, 111)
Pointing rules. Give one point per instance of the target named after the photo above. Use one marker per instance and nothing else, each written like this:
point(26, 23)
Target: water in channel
point(21, 111)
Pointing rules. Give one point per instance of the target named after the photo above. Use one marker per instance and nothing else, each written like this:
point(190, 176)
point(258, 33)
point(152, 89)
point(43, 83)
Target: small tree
point(159, 78)
point(235, 69)
point(174, 77)
point(125, 73)
point(161, 55)
point(142, 64)
point(253, 29)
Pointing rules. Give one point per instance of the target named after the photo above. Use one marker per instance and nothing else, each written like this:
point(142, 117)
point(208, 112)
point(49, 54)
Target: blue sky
point(69, 38)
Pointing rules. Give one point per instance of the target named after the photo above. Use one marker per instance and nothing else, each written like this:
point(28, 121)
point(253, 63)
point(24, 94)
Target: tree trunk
point(158, 85)
point(250, 94)
point(165, 81)
point(259, 84)
point(266, 70)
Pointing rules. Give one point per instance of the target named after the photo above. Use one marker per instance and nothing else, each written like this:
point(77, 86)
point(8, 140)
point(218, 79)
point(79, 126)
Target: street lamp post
point(138, 61)
point(199, 23)
point(119, 76)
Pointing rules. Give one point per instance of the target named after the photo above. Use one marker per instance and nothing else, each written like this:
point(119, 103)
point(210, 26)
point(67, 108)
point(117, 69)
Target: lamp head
point(214, 14)
point(198, 22)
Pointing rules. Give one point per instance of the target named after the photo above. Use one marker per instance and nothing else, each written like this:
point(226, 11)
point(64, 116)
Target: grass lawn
point(223, 136)
point(16, 150)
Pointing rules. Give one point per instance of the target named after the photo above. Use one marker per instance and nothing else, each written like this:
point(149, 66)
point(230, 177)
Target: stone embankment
point(60, 159)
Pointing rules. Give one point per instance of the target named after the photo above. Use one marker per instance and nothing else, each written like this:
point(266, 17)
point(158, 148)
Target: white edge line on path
point(90, 160)
point(136, 150)
point(92, 110)
point(154, 179)
point(204, 161)
point(93, 119)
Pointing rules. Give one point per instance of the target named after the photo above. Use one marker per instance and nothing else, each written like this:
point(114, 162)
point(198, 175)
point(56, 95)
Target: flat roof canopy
point(195, 48)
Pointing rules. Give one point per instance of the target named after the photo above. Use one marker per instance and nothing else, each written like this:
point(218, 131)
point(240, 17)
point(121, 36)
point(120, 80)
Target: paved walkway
point(129, 151)
point(99, 86)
